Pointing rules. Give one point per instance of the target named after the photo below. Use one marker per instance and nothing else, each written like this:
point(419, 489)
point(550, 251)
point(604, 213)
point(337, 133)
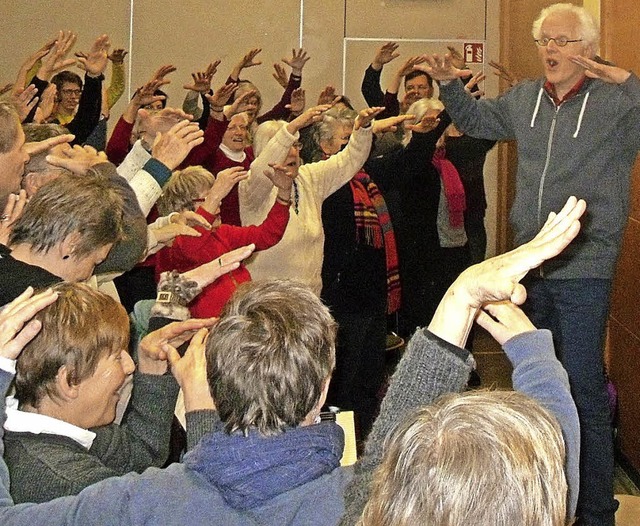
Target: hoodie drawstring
point(535, 112)
point(584, 105)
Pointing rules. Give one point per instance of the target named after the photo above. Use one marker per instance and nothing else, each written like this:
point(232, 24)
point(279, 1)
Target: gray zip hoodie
point(585, 147)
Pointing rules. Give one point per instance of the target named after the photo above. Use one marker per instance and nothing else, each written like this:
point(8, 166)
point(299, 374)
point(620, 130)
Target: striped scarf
point(374, 228)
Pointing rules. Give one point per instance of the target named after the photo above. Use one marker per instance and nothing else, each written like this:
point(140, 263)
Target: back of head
point(90, 205)
point(9, 126)
point(78, 329)
point(264, 133)
point(589, 30)
point(182, 188)
point(482, 457)
point(269, 356)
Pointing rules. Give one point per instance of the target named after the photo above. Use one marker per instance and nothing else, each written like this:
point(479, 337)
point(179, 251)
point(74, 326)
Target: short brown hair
point(182, 188)
point(269, 356)
point(90, 205)
point(481, 457)
point(80, 328)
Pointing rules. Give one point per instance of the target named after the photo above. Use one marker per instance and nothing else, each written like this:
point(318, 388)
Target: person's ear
point(68, 246)
point(66, 385)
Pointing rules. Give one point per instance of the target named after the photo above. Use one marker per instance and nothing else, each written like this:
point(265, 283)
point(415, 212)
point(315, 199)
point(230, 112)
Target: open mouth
point(552, 63)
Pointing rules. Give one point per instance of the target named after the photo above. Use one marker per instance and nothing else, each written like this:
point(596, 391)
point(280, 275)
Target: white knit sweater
point(299, 254)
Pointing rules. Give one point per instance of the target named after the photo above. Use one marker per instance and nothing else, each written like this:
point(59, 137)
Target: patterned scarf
point(374, 228)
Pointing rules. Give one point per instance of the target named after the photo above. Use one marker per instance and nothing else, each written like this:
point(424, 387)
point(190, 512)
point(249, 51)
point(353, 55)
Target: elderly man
point(578, 133)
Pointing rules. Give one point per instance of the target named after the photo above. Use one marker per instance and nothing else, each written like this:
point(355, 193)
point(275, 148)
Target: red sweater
point(209, 155)
point(119, 144)
point(189, 252)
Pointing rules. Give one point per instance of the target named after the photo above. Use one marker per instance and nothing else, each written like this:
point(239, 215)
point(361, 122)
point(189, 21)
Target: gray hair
point(589, 30)
point(90, 205)
point(481, 457)
point(270, 356)
point(264, 133)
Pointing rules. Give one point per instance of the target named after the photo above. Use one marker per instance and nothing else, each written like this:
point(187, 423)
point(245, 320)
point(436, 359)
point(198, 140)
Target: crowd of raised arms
point(188, 298)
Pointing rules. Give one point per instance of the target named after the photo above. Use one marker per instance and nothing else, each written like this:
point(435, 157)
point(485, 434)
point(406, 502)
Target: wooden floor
point(495, 372)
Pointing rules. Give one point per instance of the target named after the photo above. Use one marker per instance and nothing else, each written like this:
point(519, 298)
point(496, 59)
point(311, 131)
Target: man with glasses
point(578, 133)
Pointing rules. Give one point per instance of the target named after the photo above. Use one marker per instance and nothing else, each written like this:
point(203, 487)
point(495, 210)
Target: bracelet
point(283, 201)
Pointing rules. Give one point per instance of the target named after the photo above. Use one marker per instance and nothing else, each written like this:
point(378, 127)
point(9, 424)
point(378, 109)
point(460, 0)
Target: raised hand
point(225, 181)
point(152, 350)
point(385, 54)
point(441, 68)
point(167, 233)
point(95, 62)
point(327, 95)
point(604, 72)
point(282, 178)
point(202, 79)
point(47, 103)
point(33, 148)
point(390, 124)
point(426, 124)
point(17, 328)
point(190, 371)
point(221, 96)
point(365, 117)
point(24, 100)
point(238, 104)
point(55, 60)
point(297, 61)
point(77, 159)
point(504, 73)
point(410, 65)
point(456, 58)
point(298, 101)
point(498, 278)
point(172, 147)
point(504, 320)
point(280, 74)
point(190, 218)
point(473, 82)
point(307, 118)
point(247, 61)
point(209, 272)
point(12, 211)
point(117, 55)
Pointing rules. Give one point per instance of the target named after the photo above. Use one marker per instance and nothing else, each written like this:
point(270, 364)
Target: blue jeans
point(576, 311)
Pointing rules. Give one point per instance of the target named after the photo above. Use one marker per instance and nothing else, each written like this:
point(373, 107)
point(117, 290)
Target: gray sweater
point(44, 466)
point(585, 147)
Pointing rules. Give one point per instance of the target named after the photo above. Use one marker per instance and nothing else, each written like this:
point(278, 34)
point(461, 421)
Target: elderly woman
point(60, 432)
point(360, 281)
point(299, 254)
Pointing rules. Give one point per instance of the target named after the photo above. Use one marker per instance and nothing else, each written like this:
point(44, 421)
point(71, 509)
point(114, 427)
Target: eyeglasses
point(77, 92)
point(560, 41)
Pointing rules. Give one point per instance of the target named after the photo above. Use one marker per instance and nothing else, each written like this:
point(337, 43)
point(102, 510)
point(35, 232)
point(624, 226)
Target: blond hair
point(182, 188)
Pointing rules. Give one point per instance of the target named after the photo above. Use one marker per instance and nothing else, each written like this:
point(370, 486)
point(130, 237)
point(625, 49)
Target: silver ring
point(4, 217)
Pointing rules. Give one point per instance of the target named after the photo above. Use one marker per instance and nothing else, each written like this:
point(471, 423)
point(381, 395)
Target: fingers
point(13, 208)
point(14, 334)
point(33, 148)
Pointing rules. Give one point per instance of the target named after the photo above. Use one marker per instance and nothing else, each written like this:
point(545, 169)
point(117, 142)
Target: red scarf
point(453, 189)
point(374, 228)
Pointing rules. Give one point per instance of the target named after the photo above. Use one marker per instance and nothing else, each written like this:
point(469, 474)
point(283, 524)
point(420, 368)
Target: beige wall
point(341, 36)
